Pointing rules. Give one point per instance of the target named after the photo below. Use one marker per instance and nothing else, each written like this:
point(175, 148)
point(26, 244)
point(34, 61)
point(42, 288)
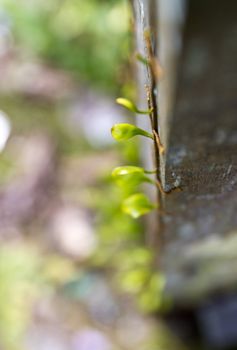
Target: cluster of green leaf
point(122, 247)
point(87, 38)
point(136, 276)
point(115, 229)
point(129, 176)
point(123, 250)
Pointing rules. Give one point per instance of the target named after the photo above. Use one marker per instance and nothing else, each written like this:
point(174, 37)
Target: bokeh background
point(74, 271)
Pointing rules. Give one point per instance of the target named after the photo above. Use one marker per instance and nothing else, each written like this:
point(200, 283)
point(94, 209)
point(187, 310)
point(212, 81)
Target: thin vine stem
point(158, 142)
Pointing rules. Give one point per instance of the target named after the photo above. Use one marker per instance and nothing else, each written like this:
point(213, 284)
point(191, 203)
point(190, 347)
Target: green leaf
point(131, 106)
point(127, 169)
point(124, 131)
point(130, 176)
point(127, 104)
point(138, 204)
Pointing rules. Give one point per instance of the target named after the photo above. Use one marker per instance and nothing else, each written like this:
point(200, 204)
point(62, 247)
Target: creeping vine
point(139, 204)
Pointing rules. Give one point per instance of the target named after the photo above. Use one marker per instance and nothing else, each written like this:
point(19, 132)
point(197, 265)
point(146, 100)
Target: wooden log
point(202, 151)
point(195, 42)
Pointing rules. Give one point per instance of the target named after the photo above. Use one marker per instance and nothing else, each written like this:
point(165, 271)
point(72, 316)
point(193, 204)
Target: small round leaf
point(124, 131)
point(127, 104)
point(138, 204)
point(131, 106)
point(127, 169)
point(130, 176)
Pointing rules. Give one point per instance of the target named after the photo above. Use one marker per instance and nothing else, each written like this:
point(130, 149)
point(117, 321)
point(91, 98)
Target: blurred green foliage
point(19, 284)
point(136, 275)
point(88, 38)
point(34, 116)
point(26, 275)
point(122, 244)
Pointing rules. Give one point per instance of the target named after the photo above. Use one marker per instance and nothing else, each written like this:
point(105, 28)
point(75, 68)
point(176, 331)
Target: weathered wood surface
point(196, 43)
point(203, 155)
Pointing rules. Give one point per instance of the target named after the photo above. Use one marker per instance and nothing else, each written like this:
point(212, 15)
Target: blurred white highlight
point(5, 130)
